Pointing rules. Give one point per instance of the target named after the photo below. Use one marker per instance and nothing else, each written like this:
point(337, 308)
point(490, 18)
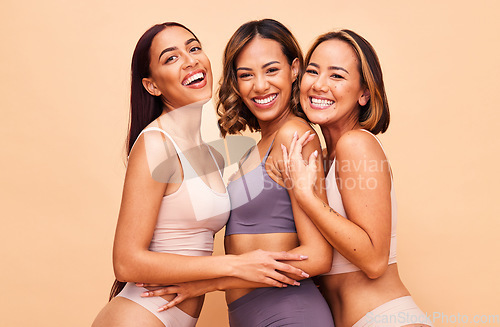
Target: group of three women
point(286, 220)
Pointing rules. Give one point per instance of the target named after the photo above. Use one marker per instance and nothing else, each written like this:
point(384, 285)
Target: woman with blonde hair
point(343, 92)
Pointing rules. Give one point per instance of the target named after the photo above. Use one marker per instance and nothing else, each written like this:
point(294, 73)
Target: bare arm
point(132, 259)
point(312, 242)
point(364, 181)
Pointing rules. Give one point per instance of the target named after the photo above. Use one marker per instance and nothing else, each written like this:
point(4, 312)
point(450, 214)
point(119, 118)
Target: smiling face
point(265, 79)
point(331, 90)
point(180, 71)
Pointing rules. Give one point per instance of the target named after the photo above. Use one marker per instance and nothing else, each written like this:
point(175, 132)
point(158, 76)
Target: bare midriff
point(344, 293)
point(243, 243)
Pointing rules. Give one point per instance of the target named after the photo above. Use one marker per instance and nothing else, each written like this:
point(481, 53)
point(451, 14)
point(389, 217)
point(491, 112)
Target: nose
point(190, 61)
point(261, 84)
point(320, 84)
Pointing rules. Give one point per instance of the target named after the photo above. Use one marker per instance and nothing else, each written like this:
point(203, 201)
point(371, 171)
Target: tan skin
point(263, 71)
point(143, 194)
point(332, 76)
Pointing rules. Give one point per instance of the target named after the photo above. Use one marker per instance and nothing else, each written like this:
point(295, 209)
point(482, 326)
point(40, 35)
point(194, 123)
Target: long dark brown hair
point(234, 114)
point(144, 107)
point(375, 115)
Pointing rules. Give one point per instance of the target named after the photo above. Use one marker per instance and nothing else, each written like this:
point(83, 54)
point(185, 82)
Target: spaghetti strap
point(215, 161)
point(381, 146)
point(186, 166)
point(376, 138)
point(268, 151)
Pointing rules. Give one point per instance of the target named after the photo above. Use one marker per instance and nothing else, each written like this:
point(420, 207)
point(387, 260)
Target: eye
point(272, 70)
point(195, 49)
point(244, 75)
point(337, 76)
point(311, 71)
point(171, 58)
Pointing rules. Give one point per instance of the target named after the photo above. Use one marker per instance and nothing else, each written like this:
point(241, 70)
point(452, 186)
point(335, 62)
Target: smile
point(320, 103)
point(193, 79)
point(265, 100)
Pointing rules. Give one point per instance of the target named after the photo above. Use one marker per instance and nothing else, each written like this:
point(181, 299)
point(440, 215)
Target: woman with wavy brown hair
point(343, 91)
point(259, 91)
point(174, 199)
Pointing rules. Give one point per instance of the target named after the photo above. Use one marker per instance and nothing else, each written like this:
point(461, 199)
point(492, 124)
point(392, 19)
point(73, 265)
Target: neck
point(269, 128)
point(184, 122)
point(332, 134)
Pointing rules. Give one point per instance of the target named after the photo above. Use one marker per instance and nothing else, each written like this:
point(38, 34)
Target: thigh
point(121, 312)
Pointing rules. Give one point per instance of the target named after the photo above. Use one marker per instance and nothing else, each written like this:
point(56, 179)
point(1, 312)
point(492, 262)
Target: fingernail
point(316, 153)
point(296, 283)
point(139, 284)
point(295, 134)
point(304, 274)
point(283, 147)
point(160, 309)
point(285, 285)
point(145, 294)
point(303, 257)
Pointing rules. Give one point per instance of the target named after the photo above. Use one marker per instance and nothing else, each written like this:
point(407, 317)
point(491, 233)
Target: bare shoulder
point(155, 152)
point(359, 144)
point(286, 132)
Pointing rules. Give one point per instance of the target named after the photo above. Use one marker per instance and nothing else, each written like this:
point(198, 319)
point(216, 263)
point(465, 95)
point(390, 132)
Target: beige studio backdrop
point(64, 88)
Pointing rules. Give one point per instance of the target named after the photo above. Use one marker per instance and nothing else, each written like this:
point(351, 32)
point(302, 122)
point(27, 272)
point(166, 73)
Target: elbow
point(121, 272)
point(376, 268)
point(324, 264)
point(325, 267)
point(124, 269)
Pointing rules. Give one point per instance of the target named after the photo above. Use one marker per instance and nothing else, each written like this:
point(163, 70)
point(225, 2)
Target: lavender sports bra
point(259, 205)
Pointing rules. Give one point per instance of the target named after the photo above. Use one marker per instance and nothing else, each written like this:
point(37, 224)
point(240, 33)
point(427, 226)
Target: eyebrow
point(263, 66)
point(191, 40)
point(329, 67)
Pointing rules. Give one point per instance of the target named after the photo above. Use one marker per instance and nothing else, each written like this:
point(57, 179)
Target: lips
point(265, 101)
point(320, 102)
point(196, 79)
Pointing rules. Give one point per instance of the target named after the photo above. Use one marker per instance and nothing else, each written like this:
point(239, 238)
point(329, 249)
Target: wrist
point(304, 196)
point(228, 265)
point(309, 202)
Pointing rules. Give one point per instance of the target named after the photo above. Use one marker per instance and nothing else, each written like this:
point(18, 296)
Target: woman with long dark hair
point(174, 199)
point(343, 92)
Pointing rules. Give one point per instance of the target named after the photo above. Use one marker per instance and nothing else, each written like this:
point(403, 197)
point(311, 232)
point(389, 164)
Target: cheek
point(243, 88)
point(305, 85)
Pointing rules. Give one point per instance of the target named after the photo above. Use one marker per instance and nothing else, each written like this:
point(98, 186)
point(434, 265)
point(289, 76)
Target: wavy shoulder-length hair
point(374, 116)
point(234, 115)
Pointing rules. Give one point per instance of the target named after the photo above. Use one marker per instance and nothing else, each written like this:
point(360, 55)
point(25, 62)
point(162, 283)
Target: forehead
point(335, 52)
point(172, 36)
point(259, 51)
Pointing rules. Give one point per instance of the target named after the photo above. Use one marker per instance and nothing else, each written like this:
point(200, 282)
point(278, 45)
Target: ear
point(295, 69)
point(150, 86)
point(364, 98)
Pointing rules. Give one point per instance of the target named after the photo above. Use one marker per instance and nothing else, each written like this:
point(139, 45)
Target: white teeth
point(265, 100)
point(193, 78)
point(321, 102)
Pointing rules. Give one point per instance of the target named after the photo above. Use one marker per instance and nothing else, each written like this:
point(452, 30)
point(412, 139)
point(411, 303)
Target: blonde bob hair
point(374, 116)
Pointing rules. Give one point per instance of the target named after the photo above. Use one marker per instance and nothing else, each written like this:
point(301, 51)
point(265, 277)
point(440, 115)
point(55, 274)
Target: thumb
point(312, 160)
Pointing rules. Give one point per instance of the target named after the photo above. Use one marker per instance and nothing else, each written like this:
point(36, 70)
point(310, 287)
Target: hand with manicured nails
point(257, 266)
point(299, 174)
